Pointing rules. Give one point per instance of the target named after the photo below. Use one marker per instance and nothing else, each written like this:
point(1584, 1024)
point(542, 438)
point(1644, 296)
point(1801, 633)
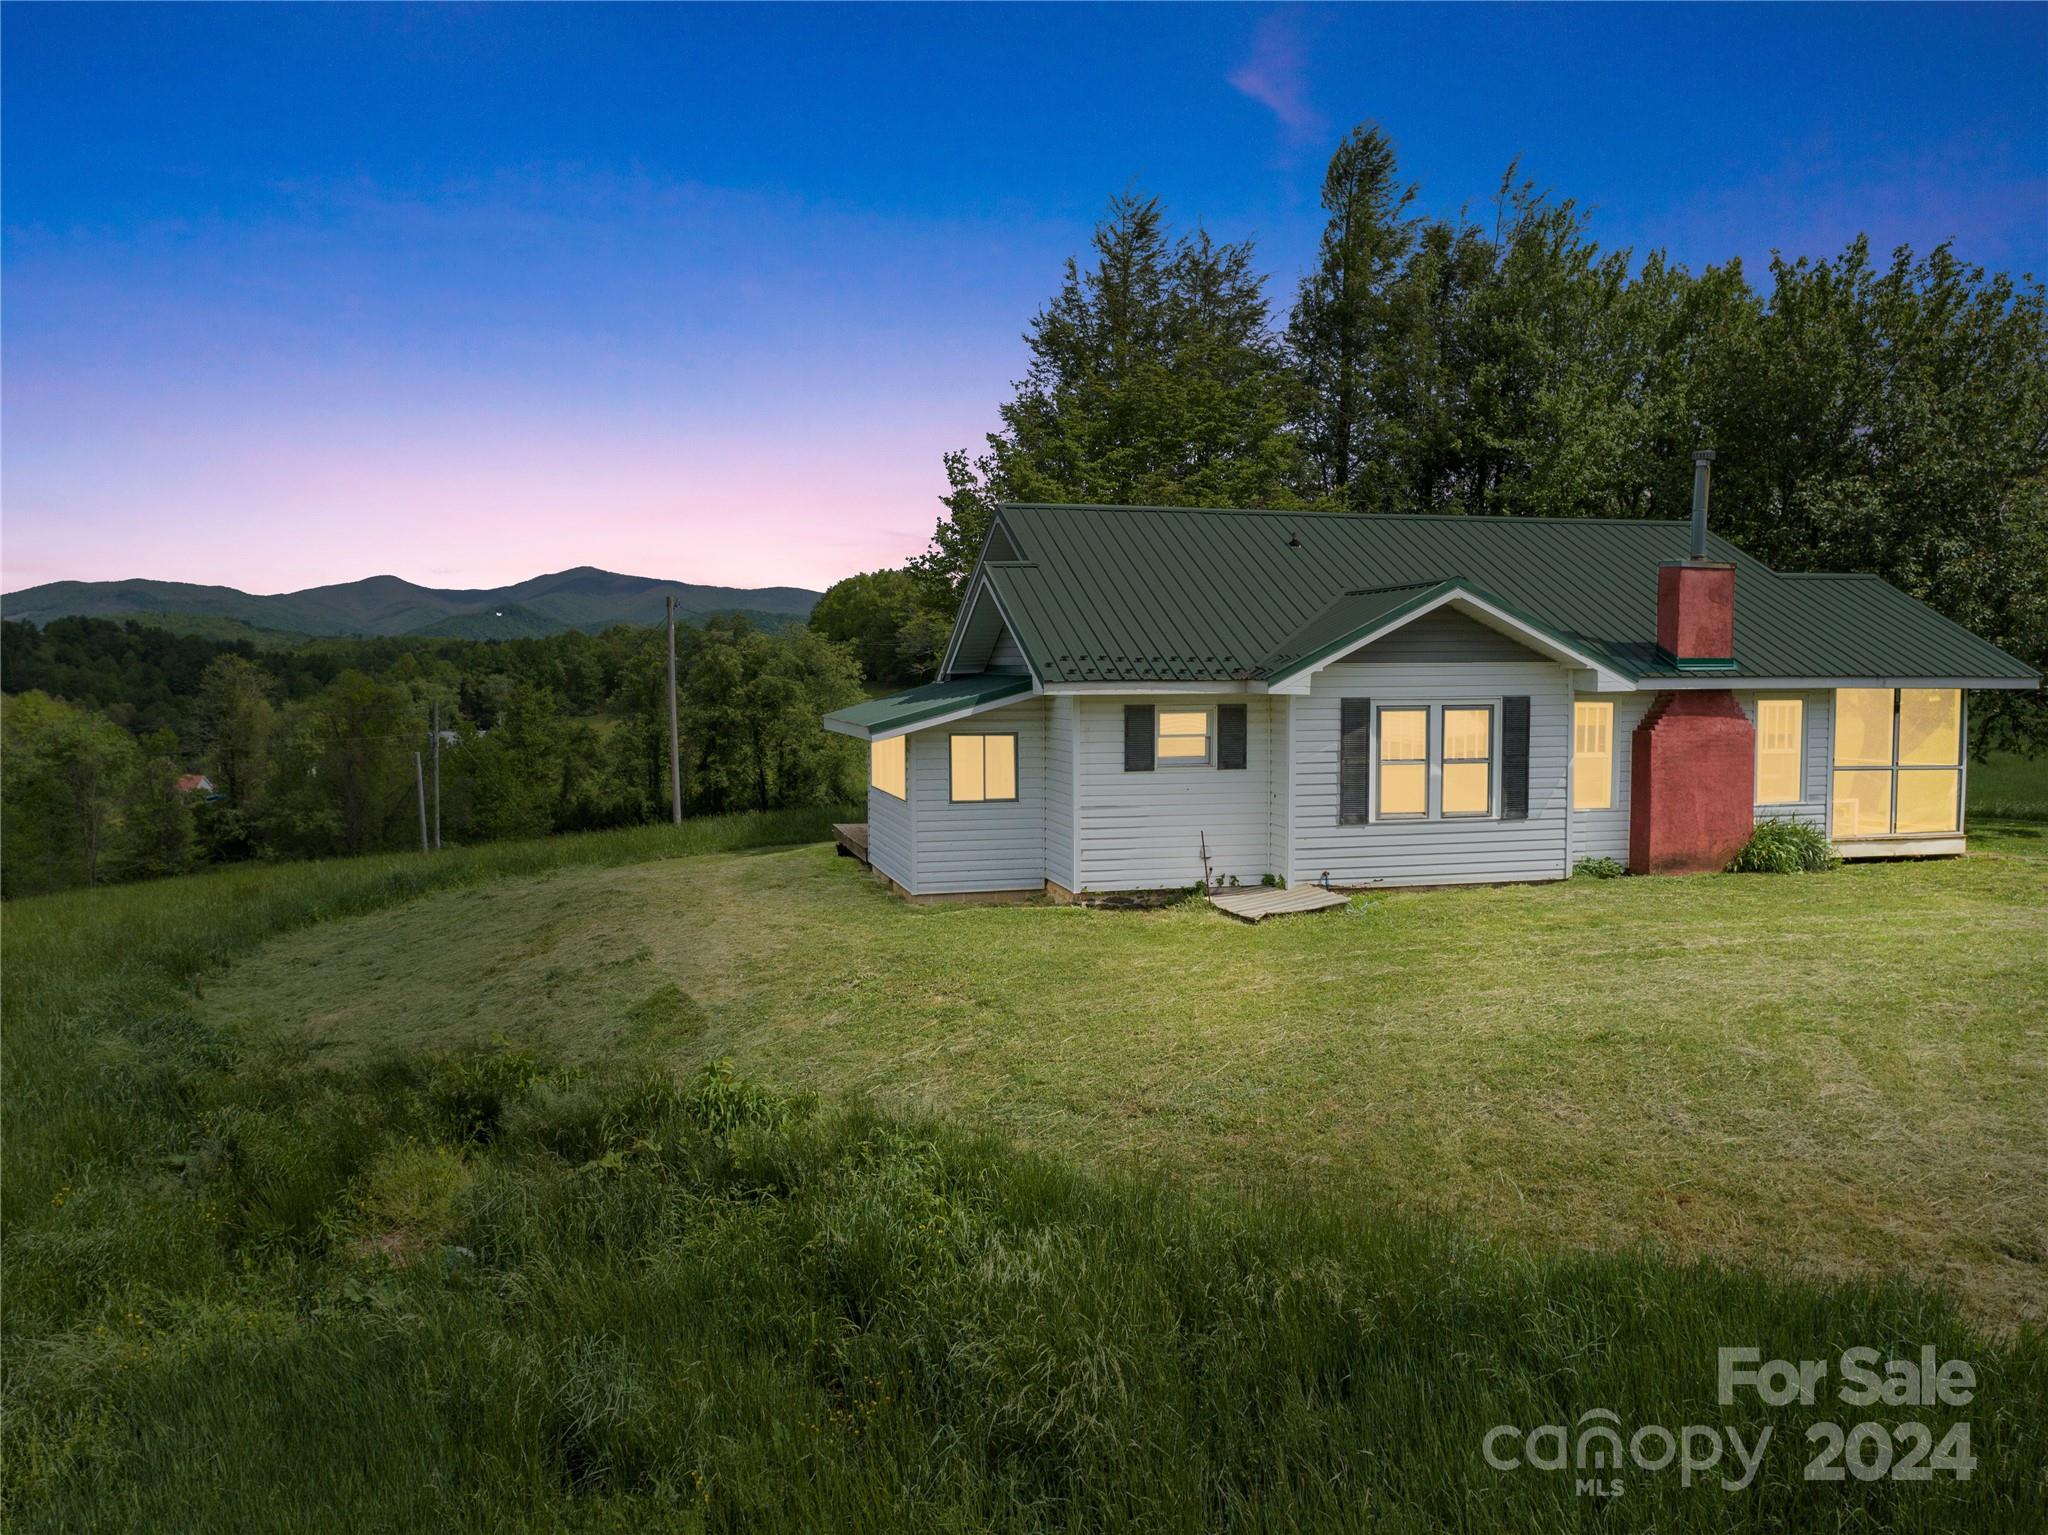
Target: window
point(1404, 763)
point(886, 761)
point(984, 768)
point(1593, 755)
point(1183, 737)
point(1898, 761)
point(1780, 751)
point(1468, 762)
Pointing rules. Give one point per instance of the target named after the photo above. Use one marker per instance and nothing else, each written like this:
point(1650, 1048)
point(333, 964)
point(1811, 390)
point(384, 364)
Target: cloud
point(1276, 76)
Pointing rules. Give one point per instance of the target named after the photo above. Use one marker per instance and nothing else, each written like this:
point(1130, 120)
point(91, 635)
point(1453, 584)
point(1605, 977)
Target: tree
point(1894, 419)
point(1341, 333)
point(233, 718)
point(515, 773)
point(869, 613)
point(1154, 379)
point(751, 707)
point(344, 781)
point(154, 838)
point(64, 770)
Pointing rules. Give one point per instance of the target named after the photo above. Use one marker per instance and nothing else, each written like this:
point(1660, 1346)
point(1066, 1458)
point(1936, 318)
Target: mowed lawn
point(1843, 1073)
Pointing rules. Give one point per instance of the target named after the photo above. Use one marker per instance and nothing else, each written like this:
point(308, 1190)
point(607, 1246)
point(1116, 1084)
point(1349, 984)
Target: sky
point(466, 294)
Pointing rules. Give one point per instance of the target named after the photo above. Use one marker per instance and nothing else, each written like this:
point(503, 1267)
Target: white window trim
point(1016, 771)
point(1613, 756)
point(1492, 810)
point(1798, 753)
point(1433, 761)
point(1961, 766)
point(1406, 817)
point(1208, 758)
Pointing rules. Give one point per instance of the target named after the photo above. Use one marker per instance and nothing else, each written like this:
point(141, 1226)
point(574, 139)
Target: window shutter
point(1232, 730)
point(1354, 763)
point(1514, 759)
point(1137, 738)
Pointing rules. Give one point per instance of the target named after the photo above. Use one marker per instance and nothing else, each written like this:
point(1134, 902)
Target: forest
point(1871, 413)
point(310, 751)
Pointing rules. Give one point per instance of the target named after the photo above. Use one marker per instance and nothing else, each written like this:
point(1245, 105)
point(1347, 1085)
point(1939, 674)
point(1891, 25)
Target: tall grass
point(478, 1290)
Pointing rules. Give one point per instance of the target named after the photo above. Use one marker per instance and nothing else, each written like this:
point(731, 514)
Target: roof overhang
point(1296, 676)
point(1737, 682)
point(936, 703)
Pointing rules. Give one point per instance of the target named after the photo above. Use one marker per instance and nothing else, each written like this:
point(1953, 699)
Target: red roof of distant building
point(195, 783)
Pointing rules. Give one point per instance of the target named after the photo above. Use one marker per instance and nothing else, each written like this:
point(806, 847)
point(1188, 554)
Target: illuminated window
point(1468, 762)
point(984, 768)
point(1592, 755)
point(886, 761)
point(1863, 802)
point(1898, 761)
point(1780, 750)
point(1183, 736)
point(1404, 762)
point(1863, 727)
point(1930, 727)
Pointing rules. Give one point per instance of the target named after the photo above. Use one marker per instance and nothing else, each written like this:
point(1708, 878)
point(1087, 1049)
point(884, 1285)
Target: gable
point(1444, 635)
point(982, 641)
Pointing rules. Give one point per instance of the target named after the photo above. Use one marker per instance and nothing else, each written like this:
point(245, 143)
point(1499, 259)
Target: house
point(1404, 700)
point(194, 783)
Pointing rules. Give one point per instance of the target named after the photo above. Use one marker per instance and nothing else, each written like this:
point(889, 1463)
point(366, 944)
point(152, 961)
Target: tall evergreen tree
point(1341, 333)
point(1154, 379)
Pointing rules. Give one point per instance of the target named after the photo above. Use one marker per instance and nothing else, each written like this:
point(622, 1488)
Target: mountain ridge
point(582, 597)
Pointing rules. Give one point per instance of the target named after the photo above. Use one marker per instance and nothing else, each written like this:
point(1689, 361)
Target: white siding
point(1819, 713)
point(1143, 831)
point(891, 825)
point(1445, 636)
point(1005, 656)
point(1604, 833)
point(1443, 658)
point(991, 845)
point(1279, 711)
point(1060, 746)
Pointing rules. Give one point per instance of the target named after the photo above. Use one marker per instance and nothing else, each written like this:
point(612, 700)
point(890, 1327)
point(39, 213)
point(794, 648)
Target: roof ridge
point(1311, 512)
point(1399, 586)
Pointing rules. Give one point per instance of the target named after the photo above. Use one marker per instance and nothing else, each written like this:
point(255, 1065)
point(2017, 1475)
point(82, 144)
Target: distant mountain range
point(584, 598)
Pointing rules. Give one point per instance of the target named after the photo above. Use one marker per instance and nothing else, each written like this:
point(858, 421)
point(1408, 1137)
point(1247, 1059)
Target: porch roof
point(880, 718)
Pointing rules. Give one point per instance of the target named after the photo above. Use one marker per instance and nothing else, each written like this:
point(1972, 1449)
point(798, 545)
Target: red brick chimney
point(1696, 600)
point(1692, 760)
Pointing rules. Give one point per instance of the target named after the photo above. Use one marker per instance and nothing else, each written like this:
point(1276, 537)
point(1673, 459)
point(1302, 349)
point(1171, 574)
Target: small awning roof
point(935, 702)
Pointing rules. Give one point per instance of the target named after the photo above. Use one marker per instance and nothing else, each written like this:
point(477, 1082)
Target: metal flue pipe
point(1702, 472)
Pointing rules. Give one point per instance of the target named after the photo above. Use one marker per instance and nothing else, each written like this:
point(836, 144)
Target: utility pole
point(437, 775)
point(675, 744)
point(420, 783)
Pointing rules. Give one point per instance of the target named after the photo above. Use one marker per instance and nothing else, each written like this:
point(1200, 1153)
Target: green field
point(398, 1187)
point(2009, 787)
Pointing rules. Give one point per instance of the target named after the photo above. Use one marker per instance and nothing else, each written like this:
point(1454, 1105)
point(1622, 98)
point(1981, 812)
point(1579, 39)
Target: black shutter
point(1231, 733)
point(1354, 763)
point(1137, 738)
point(1514, 759)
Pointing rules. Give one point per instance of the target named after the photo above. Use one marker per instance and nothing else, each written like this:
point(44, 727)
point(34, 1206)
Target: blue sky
point(298, 295)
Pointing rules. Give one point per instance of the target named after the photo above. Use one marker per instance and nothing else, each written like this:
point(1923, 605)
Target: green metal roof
point(919, 706)
point(1152, 594)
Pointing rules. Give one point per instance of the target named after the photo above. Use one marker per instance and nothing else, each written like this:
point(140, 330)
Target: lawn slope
point(349, 1268)
point(1843, 1072)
